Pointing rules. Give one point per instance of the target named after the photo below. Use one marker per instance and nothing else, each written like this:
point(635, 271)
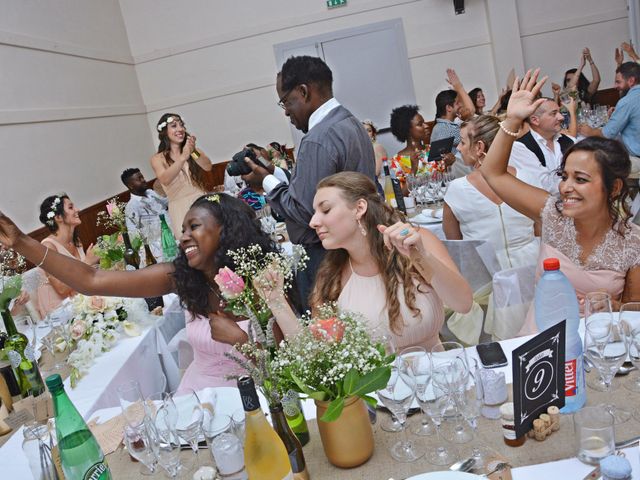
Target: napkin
point(208, 398)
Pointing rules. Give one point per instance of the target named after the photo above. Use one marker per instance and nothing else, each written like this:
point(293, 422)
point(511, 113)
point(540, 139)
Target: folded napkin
point(428, 216)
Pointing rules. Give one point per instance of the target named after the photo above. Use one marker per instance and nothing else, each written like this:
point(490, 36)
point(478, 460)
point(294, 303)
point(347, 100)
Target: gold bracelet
point(508, 132)
point(46, 252)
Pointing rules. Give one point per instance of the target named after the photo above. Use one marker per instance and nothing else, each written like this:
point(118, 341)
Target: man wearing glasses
point(335, 141)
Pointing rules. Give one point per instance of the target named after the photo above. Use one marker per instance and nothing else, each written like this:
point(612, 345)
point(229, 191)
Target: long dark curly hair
point(614, 164)
point(196, 172)
point(239, 228)
point(47, 206)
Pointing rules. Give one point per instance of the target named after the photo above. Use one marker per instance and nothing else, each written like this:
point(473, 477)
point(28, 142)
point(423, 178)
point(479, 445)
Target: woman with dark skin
point(212, 226)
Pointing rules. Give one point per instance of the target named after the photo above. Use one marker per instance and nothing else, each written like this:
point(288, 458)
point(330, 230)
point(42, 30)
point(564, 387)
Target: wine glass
point(452, 378)
point(633, 337)
point(630, 318)
point(188, 418)
point(397, 397)
point(441, 455)
point(379, 333)
point(56, 323)
point(606, 346)
point(597, 305)
point(168, 441)
point(424, 393)
point(142, 444)
point(131, 402)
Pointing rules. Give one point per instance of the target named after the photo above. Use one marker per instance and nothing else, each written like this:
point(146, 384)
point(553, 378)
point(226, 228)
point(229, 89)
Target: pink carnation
point(231, 284)
point(328, 329)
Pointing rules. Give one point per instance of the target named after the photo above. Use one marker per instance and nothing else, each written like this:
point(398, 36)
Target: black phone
point(491, 355)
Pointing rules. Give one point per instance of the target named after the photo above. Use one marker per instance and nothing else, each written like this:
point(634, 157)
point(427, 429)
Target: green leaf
point(373, 402)
point(334, 410)
point(11, 290)
point(349, 382)
point(374, 380)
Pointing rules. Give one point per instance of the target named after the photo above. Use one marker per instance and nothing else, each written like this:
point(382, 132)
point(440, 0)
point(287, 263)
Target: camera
point(237, 166)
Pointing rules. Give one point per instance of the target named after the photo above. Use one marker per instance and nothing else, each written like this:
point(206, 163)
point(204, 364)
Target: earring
point(363, 231)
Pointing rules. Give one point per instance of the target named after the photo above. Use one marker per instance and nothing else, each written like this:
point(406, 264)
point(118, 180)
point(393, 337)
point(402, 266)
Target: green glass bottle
point(131, 257)
point(80, 454)
point(169, 247)
point(295, 417)
point(22, 358)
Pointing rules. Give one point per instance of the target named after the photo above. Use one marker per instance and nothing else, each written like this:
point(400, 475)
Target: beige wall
point(89, 78)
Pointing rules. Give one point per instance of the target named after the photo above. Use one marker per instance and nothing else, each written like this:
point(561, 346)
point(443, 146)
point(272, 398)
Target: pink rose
point(78, 329)
point(97, 304)
point(231, 284)
point(110, 208)
point(328, 329)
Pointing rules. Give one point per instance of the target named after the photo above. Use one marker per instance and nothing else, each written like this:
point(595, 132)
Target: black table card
point(538, 376)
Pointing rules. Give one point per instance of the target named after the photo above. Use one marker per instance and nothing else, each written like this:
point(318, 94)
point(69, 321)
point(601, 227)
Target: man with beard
point(334, 141)
point(624, 123)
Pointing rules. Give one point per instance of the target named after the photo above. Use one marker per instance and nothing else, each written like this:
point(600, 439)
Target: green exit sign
point(336, 3)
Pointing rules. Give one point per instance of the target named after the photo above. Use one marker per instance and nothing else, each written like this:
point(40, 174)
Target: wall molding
point(40, 115)
point(548, 27)
point(36, 43)
point(444, 47)
point(271, 27)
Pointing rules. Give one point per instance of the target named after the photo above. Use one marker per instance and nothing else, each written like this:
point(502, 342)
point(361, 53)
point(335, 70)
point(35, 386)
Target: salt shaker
point(229, 456)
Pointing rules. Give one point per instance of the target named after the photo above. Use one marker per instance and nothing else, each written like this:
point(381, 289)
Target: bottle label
point(570, 378)
point(509, 431)
point(98, 471)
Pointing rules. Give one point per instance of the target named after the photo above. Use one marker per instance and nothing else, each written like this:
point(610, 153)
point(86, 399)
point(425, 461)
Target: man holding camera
point(335, 141)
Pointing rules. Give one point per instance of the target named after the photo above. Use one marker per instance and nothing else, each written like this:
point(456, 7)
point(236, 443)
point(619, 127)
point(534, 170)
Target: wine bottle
point(149, 259)
point(291, 442)
point(169, 247)
point(80, 453)
point(265, 456)
point(22, 358)
point(295, 418)
point(397, 192)
point(389, 195)
point(6, 371)
point(131, 257)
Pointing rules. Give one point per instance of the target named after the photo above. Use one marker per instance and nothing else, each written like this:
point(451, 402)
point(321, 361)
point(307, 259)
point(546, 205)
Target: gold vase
point(347, 441)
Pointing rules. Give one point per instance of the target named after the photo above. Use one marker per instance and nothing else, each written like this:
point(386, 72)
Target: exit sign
point(336, 3)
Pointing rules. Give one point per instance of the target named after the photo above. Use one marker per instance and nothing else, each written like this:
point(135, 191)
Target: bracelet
point(508, 132)
point(46, 252)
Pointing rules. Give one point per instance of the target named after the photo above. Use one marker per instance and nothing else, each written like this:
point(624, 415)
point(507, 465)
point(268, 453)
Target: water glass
point(228, 454)
point(142, 444)
point(595, 436)
point(131, 402)
point(37, 446)
point(238, 423)
point(188, 418)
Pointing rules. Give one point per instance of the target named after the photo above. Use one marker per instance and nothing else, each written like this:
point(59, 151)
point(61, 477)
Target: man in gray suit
point(335, 141)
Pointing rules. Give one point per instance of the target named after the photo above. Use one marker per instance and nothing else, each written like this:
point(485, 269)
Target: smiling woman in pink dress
point(181, 175)
point(587, 226)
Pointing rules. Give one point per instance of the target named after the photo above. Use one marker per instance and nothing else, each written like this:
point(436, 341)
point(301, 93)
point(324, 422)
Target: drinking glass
point(452, 378)
point(168, 442)
point(56, 323)
point(594, 433)
point(132, 403)
point(424, 393)
point(188, 418)
point(630, 318)
point(380, 334)
point(142, 443)
point(606, 346)
point(397, 397)
point(441, 455)
point(597, 305)
point(238, 423)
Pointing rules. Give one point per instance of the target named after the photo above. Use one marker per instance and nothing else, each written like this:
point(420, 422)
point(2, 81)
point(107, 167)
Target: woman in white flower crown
point(214, 225)
point(180, 167)
point(61, 217)
point(398, 276)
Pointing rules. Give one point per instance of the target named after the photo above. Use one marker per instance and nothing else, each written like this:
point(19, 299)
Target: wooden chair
point(607, 96)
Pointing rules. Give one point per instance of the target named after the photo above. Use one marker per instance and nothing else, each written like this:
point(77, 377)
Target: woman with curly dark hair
point(586, 225)
point(213, 225)
point(407, 125)
point(395, 275)
point(179, 167)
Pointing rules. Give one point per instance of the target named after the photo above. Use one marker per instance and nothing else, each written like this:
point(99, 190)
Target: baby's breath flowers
point(331, 359)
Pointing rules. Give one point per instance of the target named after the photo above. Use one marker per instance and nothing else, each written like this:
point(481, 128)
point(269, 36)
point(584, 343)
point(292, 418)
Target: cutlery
point(463, 465)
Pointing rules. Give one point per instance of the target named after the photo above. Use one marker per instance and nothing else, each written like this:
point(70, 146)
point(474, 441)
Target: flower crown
point(168, 121)
point(52, 211)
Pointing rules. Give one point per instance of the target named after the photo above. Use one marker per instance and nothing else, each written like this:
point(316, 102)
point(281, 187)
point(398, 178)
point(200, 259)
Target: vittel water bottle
point(555, 300)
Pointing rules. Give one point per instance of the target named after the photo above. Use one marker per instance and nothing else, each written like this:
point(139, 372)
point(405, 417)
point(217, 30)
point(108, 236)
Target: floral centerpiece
point(333, 357)
point(12, 264)
point(111, 248)
point(236, 286)
point(98, 323)
point(113, 216)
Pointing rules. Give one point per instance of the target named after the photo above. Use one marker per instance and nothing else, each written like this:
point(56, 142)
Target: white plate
point(228, 400)
point(447, 475)
point(425, 219)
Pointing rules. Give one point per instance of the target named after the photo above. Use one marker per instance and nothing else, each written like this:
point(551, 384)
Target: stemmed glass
point(397, 397)
point(132, 403)
point(142, 444)
point(189, 418)
point(424, 394)
point(597, 305)
point(57, 328)
point(606, 347)
point(168, 442)
point(452, 379)
point(630, 319)
point(441, 455)
point(633, 337)
point(379, 334)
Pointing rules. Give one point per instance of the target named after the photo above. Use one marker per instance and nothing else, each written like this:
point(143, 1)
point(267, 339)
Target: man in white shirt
point(539, 152)
point(143, 209)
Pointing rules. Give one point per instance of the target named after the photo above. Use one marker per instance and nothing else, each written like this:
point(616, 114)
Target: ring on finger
point(404, 232)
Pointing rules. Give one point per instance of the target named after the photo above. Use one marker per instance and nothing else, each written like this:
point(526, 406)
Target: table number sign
point(538, 376)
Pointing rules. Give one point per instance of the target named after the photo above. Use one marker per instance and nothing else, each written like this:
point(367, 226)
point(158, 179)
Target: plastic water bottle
point(555, 300)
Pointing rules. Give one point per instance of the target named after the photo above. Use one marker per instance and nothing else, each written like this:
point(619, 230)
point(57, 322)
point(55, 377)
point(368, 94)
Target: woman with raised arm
point(574, 79)
point(396, 275)
point(212, 226)
point(587, 224)
point(179, 167)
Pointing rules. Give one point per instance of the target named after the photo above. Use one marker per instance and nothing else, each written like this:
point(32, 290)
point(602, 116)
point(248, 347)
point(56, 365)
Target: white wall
point(71, 113)
point(84, 71)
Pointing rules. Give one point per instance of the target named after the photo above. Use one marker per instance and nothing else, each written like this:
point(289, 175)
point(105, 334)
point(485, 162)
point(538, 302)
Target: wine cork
point(538, 425)
point(546, 419)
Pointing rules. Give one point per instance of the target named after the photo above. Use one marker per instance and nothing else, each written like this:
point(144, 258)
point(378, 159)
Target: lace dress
point(604, 270)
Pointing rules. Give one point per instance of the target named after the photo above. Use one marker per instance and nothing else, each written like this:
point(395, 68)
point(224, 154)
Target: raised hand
point(555, 88)
point(586, 54)
point(403, 237)
point(224, 328)
point(523, 101)
point(627, 47)
point(269, 284)
point(190, 146)
point(619, 56)
point(453, 79)
point(90, 256)
point(9, 232)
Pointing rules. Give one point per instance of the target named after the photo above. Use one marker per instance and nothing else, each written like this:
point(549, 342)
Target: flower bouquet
point(113, 216)
point(97, 324)
point(12, 264)
point(110, 249)
point(237, 288)
point(333, 357)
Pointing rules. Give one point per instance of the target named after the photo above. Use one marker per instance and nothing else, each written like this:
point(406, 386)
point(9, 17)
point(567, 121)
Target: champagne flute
point(452, 378)
point(380, 334)
point(168, 442)
point(142, 444)
point(189, 418)
point(633, 338)
point(424, 393)
point(397, 396)
point(606, 346)
point(597, 305)
point(630, 318)
point(441, 455)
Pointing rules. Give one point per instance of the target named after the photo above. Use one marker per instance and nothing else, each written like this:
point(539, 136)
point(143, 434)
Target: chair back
point(476, 260)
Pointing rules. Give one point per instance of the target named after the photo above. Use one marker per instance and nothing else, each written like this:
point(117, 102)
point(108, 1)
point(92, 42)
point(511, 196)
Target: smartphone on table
point(491, 355)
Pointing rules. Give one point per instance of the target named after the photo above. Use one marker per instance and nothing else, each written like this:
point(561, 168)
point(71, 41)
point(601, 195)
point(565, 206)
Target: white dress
point(510, 232)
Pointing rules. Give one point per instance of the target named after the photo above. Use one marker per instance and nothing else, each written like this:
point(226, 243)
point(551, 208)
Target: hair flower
point(166, 122)
point(213, 198)
point(50, 214)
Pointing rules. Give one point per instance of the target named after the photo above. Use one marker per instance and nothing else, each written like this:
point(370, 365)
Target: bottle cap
point(54, 382)
point(551, 264)
point(248, 394)
point(506, 411)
